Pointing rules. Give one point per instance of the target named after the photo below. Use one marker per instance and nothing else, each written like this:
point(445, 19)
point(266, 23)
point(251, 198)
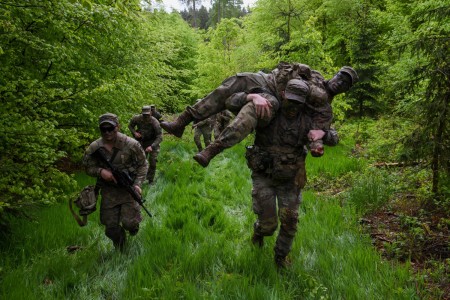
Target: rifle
point(123, 179)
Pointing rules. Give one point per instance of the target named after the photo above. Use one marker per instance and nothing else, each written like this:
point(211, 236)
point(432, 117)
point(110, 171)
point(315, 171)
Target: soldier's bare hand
point(315, 134)
point(262, 105)
point(149, 149)
point(138, 190)
point(107, 175)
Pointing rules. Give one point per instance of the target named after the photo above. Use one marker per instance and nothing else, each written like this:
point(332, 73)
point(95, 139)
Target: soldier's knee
point(289, 220)
point(132, 226)
point(268, 227)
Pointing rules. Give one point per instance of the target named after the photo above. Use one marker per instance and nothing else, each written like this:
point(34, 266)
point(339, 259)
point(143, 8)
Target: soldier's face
point(291, 108)
point(146, 116)
point(340, 83)
point(109, 132)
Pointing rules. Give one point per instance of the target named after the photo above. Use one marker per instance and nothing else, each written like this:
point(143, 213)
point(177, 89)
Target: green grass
point(197, 245)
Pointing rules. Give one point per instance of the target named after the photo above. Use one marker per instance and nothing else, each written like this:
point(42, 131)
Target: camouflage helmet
point(146, 110)
point(351, 72)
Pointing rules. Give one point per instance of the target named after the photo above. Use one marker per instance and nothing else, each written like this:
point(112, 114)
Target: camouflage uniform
point(272, 83)
point(216, 101)
point(223, 119)
point(156, 114)
point(117, 205)
point(151, 136)
point(203, 129)
point(277, 161)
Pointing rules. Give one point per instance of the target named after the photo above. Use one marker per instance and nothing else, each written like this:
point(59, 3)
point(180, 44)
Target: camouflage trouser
point(216, 101)
point(205, 132)
point(245, 122)
point(218, 128)
point(152, 161)
point(265, 194)
point(119, 211)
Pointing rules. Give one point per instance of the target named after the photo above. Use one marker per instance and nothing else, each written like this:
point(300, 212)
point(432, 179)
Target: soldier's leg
point(264, 206)
point(214, 102)
point(217, 130)
point(197, 140)
point(242, 125)
point(110, 217)
point(130, 215)
point(153, 159)
point(207, 136)
point(289, 198)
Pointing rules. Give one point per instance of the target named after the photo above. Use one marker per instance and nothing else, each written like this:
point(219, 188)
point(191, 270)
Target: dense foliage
point(63, 63)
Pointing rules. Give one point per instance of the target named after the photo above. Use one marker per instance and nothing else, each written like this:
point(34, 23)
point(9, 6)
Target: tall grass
point(197, 245)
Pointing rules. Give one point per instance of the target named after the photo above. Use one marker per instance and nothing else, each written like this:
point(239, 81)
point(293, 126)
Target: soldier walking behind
point(146, 129)
point(203, 129)
point(118, 210)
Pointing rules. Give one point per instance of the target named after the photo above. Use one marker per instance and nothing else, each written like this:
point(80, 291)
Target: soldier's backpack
point(287, 71)
point(86, 202)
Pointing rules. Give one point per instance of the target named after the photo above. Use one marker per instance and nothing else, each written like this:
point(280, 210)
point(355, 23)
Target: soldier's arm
point(132, 126)
point(158, 133)
point(331, 137)
point(321, 116)
point(141, 163)
point(91, 165)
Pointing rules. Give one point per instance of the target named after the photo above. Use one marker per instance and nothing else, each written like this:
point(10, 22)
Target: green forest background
point(65, 62)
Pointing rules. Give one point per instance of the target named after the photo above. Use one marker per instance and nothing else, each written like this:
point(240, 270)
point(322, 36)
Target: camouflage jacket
point(290, 135)
point(129, 157)
point(150, 130)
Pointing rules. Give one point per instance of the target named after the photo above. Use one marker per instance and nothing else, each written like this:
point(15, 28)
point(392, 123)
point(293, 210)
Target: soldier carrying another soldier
point(259, 110)
point(277, 161)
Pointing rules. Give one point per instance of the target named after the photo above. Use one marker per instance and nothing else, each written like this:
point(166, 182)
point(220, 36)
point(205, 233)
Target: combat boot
point(205, 156)
point(177, 127)
point(282, 262)
point(258, 240)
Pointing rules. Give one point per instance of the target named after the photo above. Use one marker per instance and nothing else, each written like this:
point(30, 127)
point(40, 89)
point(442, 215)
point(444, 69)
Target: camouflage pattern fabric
point(223, 119)
point(246, 120)
point(284, 139)
point(151, 136)
point(231, 95)
point(319, 102)
point(203, 129)
point(149, 129)
point(216, 101)
point(266, 193)
point(117, 206)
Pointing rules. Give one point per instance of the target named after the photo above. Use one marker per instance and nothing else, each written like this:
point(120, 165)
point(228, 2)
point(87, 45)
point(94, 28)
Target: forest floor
point(404, 232)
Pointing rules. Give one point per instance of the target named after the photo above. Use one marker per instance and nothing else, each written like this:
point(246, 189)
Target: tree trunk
point(437, 149)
